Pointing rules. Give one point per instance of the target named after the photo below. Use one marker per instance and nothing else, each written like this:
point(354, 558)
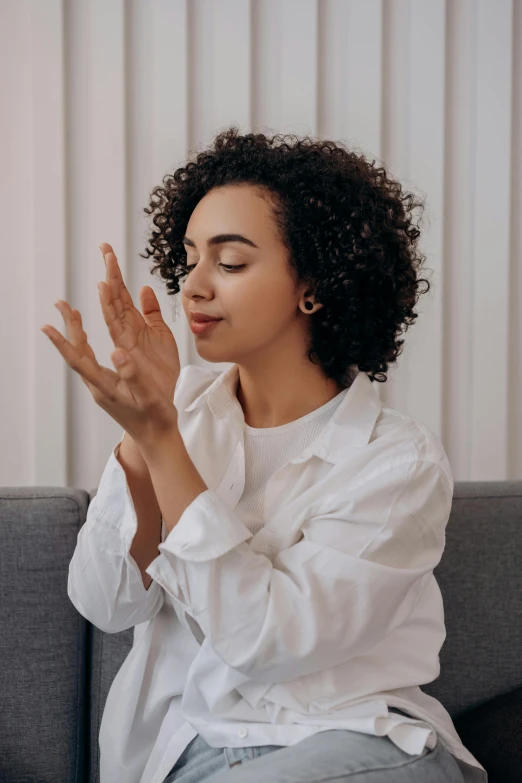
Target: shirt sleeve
point(105, 583)
point(352, 579)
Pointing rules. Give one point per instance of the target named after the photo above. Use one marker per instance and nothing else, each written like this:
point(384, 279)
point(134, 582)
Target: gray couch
point(56, 668)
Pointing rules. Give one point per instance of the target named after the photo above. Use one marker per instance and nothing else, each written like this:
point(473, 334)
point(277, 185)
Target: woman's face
point(258, 299)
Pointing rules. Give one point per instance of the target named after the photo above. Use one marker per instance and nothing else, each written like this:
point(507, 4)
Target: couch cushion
point(43, 674)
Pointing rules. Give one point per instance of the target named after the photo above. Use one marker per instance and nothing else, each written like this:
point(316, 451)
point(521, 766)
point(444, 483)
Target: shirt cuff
point(207, 529)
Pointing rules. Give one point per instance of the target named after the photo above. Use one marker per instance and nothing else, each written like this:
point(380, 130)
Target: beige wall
point(100, 98)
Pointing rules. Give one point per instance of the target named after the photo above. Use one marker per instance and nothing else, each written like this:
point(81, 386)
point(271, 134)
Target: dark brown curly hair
point(347, 226)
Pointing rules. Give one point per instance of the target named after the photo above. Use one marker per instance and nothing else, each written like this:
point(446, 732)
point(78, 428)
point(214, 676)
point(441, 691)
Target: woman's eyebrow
point(219, 239)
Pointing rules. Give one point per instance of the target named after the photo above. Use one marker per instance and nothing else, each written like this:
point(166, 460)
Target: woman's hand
point(129, 328)
point(139, 396)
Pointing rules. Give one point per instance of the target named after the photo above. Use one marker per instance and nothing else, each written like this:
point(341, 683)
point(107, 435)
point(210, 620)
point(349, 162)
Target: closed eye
point(228, 267)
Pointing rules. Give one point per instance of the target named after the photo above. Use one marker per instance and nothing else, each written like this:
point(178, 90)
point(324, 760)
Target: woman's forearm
point(144, 548)
point(176, 480)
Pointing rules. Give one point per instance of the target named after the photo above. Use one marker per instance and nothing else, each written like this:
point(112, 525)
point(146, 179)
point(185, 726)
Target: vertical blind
point(100, 99)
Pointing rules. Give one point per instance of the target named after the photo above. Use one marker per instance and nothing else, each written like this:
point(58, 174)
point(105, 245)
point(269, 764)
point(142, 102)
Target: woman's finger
point(75, 331)
point(109, 312)
point(120, 294)
point(123, 340)
point(84, 364)
point(74, 326)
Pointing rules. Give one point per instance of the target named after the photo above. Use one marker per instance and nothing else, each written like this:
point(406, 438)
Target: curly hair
point(347, 226)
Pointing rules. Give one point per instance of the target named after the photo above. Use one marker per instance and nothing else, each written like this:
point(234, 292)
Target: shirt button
point(242, 733)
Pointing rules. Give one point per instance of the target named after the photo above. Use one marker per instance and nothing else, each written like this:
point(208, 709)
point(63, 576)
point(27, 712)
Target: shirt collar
point(351, 425)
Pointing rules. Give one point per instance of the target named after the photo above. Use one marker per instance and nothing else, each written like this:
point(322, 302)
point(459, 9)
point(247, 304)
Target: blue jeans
point(335, 755)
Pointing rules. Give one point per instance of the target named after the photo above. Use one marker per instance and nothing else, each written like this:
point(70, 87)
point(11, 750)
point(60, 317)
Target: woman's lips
point(203, 326)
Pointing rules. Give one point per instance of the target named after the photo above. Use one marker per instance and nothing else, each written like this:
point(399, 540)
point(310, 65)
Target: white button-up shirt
point(323, 619)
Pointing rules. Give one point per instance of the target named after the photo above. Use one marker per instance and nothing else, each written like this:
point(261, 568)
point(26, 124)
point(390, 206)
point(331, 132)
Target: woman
point(323, 278)
point(298, 655)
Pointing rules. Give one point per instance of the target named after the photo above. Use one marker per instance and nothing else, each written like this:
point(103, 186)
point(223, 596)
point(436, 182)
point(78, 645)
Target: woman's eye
point(228, 267)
